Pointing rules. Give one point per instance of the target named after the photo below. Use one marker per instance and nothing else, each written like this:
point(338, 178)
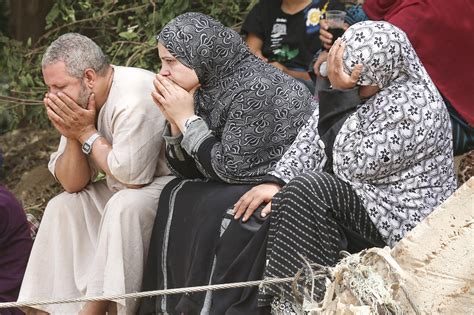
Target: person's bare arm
point(72, 168)
point(100, 151)
point(255, 44)
point(77, 124)
point(295, 74)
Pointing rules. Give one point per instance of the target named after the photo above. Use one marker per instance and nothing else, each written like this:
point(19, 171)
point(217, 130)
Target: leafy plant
point(126, 30)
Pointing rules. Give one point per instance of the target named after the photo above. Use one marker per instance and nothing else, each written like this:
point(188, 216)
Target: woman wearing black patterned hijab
point(247, 113)
point(392, 161)
point(231, 116)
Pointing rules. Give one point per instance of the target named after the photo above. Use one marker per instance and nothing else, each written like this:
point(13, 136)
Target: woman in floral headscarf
point(392, 160)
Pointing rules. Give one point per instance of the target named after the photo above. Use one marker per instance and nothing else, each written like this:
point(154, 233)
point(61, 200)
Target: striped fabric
point(306, 218)
point(463, 134)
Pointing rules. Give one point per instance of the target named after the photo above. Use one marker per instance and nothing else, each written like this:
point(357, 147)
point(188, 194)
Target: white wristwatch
point(189, 121)
point(87, 145)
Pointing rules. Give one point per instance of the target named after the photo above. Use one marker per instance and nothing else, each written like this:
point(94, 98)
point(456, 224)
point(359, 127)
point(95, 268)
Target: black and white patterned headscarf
point(251, 107)
point(396, 149)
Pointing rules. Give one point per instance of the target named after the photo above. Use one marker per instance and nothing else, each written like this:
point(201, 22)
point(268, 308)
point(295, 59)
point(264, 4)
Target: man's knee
point(56, 207)
point(131, 203)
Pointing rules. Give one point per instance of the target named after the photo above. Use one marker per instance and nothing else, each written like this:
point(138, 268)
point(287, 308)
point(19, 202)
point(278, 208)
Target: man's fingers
point(91, 105)
point(69, 102)
point(55, 118)
point(57, 109)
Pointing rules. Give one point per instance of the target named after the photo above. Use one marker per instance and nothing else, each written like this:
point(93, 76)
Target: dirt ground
point(26, 154)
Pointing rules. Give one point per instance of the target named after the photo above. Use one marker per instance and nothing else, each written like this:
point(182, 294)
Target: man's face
point(174, 70)
point(57, 79)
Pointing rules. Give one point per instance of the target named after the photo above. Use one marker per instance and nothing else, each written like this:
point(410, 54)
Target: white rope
point(151, 293)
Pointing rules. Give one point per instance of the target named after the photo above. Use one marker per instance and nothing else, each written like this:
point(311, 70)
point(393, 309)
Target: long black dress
point(250, 113)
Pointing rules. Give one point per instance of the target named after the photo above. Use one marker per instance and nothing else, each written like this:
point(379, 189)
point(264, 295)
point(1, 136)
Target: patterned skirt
point(315, 216)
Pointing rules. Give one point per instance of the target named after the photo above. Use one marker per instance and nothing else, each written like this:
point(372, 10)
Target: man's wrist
point(86, 135)
point(87, 145)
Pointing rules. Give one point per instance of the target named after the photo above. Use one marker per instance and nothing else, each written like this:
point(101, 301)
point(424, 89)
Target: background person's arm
point(255, 44)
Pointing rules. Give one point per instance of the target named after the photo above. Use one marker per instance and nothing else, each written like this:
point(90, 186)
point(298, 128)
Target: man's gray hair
point(78, 52)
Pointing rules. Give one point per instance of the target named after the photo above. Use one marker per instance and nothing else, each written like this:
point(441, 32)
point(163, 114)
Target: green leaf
point(52, 15)
point(128, 35)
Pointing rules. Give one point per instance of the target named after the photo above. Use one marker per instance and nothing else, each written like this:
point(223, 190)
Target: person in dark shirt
point(417, 18)
point(15, 247)
point(285, 33)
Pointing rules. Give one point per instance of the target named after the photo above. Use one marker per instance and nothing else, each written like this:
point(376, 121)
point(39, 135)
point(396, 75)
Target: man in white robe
point(94, 237)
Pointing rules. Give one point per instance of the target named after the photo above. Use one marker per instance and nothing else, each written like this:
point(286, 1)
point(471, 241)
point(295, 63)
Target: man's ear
point(90, 77)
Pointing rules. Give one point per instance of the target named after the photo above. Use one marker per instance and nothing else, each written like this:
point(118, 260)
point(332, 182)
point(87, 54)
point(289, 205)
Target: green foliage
point(125, 30)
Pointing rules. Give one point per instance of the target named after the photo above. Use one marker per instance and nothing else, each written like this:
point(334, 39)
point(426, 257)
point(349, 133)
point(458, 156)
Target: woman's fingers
point(331, 64)
point(355, 75)
point(241, 205)
point(247, 204)
point(338, 77)
point(157, 98)
point(338, 52)
point(168, 85)
point(252, 199)
point(267, 209)
point(251, 208)
point(164, 86)
point(160, 88)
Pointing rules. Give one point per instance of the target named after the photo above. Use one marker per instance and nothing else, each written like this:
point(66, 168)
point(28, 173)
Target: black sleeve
point(203, 157)
point(273, 179)
point(181, 164)
point(254, 22)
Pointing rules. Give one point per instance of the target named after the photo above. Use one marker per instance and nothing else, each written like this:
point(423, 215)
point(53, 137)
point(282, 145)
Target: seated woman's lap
point(185, 236)
point(315, 215)
point(326, 214)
